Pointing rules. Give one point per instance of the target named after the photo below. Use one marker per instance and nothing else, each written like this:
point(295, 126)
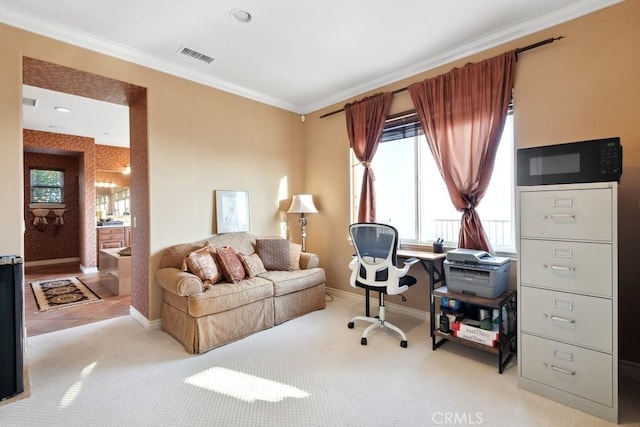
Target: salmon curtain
point(462, 114)
point(365, 122)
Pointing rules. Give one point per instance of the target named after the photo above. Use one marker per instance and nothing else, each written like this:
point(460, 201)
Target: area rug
point(61, 293)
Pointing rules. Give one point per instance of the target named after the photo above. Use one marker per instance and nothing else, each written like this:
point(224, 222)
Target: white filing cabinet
point(568, 295)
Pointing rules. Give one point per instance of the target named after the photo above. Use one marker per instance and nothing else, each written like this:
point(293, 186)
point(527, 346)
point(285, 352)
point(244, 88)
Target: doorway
point(67, 80)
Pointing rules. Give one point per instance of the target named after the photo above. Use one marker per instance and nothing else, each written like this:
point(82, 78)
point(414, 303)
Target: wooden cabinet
point(113, 237)
point(568, 295)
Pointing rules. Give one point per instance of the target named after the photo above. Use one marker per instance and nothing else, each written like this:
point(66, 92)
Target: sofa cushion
point(295, 250)
point(241, 242)
point(285, 282)
point(174, 255)
point(227, 296)
point(230, 263)
point(274, 254)
point(202, 263)
point(252, 264)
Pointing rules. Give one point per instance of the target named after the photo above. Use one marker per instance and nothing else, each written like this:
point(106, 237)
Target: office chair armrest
point(353, 265)
point(411, 261)
point(407, 265)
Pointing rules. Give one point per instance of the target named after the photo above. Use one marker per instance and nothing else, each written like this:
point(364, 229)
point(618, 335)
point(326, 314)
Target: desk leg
point(432, 303)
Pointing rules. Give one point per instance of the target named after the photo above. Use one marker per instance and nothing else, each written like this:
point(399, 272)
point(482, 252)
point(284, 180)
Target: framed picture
point(232, 211)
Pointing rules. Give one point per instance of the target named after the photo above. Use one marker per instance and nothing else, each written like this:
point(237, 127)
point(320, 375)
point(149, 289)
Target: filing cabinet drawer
point(576, 319)
point(567, 214)
point(576, 370)
point(568, 266)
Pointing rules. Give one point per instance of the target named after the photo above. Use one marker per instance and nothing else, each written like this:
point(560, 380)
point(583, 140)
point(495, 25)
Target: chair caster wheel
point(363, 341)
point(403, 344)
point(350, 325)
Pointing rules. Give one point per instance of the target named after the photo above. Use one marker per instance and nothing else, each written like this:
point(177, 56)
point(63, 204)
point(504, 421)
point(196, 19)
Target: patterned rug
point(60, 293)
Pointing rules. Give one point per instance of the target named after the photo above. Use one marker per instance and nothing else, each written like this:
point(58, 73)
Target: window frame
point(407, 124)
point(33, 186)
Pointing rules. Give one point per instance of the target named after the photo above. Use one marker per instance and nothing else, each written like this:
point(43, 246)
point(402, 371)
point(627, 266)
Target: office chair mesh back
point(376, 248)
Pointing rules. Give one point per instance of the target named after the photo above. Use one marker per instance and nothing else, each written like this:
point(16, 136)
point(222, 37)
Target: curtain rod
point(516, 51)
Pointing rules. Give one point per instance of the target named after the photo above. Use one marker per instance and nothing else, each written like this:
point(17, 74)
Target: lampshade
point(302, 203)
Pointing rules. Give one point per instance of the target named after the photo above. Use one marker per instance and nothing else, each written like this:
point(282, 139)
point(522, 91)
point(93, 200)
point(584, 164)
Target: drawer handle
point(563, 371)
point(562, 319)
point(562, 267)
point(560, 216)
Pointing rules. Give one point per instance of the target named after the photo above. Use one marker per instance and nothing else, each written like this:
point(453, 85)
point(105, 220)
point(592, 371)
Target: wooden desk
point(433, 263)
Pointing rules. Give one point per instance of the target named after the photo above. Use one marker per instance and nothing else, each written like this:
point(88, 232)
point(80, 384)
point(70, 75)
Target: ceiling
point(297, 55)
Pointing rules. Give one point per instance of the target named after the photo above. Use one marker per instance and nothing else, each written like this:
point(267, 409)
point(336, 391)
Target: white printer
point(476, 272)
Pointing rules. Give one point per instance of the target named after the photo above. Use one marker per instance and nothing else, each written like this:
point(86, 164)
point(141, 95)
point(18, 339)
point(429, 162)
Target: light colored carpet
point(310, 371)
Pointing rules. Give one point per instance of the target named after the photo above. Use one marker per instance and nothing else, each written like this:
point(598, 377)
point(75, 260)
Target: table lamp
point(302, 204)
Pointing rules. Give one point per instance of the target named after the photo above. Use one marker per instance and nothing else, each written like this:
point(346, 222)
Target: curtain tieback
point(367, 169)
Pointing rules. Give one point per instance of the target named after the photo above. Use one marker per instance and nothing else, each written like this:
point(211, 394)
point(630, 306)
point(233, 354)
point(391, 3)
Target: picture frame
point(232, 211)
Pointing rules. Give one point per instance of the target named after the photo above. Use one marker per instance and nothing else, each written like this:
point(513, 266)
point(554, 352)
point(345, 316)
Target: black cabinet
point(11, 327)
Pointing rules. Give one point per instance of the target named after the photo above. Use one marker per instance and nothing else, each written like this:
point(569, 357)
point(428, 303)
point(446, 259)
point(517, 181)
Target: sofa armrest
point(178, 282)
point(309, 260)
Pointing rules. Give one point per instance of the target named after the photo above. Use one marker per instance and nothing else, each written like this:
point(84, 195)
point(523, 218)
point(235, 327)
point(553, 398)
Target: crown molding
point(446, 55)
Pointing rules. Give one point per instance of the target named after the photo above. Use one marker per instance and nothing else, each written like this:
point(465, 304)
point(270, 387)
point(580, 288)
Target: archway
point(64, 79)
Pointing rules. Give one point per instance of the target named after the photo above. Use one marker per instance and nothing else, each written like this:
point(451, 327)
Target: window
point(47, 186)
point(411, 194)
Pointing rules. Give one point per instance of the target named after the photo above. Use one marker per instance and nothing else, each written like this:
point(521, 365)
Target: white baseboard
point(395, 308)
point(87, 270)
point(146, 323)
point(629, 369)
point(51, 261)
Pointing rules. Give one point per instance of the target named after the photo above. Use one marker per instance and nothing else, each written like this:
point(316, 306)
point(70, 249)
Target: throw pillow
point(203, 264)
point(232, 268)
point(274, 254)
point(295, 250)
point(252, 264)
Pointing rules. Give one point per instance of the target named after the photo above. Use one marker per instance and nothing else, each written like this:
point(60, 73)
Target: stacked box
point(480, 336)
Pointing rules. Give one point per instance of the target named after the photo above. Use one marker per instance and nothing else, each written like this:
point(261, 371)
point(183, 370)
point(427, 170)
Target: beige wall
point(582, 87)
point(200, 139)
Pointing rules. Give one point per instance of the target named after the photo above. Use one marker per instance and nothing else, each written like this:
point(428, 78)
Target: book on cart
point(472, 333)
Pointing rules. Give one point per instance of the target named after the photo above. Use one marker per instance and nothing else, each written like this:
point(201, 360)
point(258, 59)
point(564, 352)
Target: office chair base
point(377, 322)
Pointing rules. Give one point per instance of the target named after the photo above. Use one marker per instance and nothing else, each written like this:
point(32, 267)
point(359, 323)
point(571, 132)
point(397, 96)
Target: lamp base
point(303, 231)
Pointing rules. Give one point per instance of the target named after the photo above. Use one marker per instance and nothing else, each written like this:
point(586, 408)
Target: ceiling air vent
point(29, 102)
point(195, 54)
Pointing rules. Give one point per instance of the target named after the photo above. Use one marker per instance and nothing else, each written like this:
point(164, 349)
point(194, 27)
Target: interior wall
point(584, 86)
point(84, 149)
point(112, 159)
point(199, 140)
point(53, 241)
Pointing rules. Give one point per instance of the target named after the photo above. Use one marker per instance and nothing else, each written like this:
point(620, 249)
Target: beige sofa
point(203, 316)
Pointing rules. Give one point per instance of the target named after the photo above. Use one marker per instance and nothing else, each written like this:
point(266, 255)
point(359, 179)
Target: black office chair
point(374, 268)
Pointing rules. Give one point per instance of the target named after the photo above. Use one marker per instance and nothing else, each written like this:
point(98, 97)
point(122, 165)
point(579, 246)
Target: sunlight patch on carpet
point(74, 391)
point(248, 388)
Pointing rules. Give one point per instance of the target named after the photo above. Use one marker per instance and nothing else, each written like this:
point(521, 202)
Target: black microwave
point(597, 160)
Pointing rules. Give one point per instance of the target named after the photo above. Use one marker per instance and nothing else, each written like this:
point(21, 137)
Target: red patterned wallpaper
point(64, 79)
point(53, 241)
point(84, 149)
